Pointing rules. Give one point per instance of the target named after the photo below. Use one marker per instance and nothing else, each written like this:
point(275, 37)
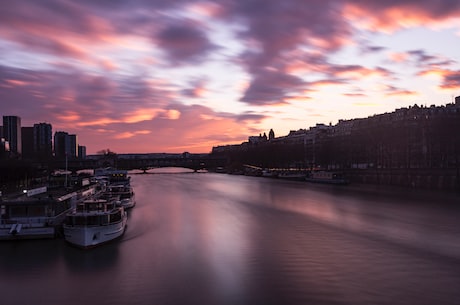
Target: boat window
point(92, 220)
point(3, 211)
point(62, 207)
point(69, 220)
point(105, 219)
point(115, 217)
point(80, 221)
point(37, 210)
point(18, 211)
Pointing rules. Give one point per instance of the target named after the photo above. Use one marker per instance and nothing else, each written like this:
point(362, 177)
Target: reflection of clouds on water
point(140, 222)
point(405, 220)
point(398, 216)
point(221, 239)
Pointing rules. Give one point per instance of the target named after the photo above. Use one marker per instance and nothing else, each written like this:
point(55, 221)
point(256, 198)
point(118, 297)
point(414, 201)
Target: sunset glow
point(175, 76)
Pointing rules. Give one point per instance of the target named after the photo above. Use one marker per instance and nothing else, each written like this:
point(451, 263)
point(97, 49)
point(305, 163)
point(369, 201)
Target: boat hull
point(20, 231)
point(92, 236)
point(128, 203)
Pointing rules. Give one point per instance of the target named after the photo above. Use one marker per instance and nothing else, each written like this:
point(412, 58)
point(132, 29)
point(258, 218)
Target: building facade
point(43, 140)
point(81, 152)
point(73, 146)
point(27, 134)
point(65, 145)
point(12, 133)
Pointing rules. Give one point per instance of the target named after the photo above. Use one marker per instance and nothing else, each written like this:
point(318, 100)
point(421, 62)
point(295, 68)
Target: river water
point(202, 238)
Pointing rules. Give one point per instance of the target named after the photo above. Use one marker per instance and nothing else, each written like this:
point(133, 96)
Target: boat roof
point(50, 195)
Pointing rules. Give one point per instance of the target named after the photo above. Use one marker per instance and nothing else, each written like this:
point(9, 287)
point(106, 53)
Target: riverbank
point(414, 178)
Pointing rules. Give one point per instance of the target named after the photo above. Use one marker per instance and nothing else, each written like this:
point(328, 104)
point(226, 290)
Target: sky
point(144, 76)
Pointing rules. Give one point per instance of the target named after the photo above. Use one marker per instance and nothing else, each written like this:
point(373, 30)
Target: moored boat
point(117, 185)
point(95, 222)
point(269, 173)
point(112, 175)
point(122, 192)
point(38, 212)
point(292, 175)
point(327, 177)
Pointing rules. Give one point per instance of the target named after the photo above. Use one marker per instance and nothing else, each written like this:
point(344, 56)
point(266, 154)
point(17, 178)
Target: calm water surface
point(221, 239)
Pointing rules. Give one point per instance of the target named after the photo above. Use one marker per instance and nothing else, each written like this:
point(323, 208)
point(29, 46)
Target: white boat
point(95, 222)
point(37, 213)
point(117, 185)
point(326, 177)
point(122, 192)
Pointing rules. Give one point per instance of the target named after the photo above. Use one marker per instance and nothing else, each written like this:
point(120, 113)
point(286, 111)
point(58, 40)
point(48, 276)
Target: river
point(203, 238)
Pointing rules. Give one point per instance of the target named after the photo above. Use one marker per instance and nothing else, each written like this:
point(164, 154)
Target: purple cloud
point(436, 9)
point(184, 42)
point(271, 88)
point(196, 89)
point(278, 27)
point(451, 80)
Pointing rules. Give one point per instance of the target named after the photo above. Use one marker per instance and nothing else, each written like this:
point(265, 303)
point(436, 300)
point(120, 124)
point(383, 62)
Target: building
point(271, 135)
point(65, 145)
point(12, 133)
point(257, 139)
point(4, 148)
point(81, 152)
point(43, 140)
point(27, 134)
point(73, 146)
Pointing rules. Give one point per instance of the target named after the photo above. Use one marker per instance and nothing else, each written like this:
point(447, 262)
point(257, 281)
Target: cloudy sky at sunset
point(183, 75)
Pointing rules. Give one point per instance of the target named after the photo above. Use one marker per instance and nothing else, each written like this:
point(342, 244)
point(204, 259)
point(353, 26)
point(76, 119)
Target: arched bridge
point(146, 161)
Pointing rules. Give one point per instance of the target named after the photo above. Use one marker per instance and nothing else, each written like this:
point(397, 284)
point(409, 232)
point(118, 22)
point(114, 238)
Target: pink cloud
point(197, 130)
point(197, 89)
point(99, 113)
point(395, 91)
point(286, 48)
point(398, 57)
point(394, 15)
point(450, 79)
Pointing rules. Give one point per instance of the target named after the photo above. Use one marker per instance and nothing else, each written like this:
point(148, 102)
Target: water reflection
point(87, 262)
point(413, 220)
point(220, 239)
point(20, 258)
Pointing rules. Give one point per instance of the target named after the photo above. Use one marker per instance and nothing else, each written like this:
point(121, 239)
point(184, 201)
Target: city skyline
point(36, 142)
point(181, 76)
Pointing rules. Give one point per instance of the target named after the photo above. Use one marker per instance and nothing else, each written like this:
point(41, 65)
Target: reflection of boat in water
point(326, 177)
point(37, 213)
point(95, 222)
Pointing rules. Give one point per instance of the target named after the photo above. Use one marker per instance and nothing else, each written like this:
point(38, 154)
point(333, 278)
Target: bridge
point(144, 161)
